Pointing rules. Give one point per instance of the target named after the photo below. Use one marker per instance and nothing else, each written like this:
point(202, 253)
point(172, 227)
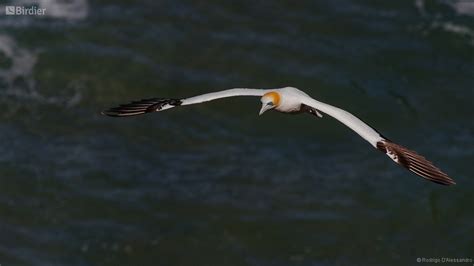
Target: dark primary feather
point(415, 163)
point(141, 107)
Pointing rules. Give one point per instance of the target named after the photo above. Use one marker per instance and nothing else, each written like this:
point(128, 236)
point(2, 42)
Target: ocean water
point(216, 184)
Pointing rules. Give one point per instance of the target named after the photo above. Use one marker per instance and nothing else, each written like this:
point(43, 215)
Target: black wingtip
point(415, 163)
point(141, 107)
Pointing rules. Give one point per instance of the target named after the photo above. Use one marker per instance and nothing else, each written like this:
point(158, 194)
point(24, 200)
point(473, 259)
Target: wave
point(21, 64)
point(17, 81)
point(445, 21)
point(462, 7)
point(16, 75)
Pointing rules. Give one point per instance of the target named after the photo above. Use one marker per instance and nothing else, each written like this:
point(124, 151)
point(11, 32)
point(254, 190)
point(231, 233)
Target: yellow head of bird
point(269, 101)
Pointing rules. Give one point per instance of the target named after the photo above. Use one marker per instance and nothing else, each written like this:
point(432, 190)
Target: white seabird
point(293, 100)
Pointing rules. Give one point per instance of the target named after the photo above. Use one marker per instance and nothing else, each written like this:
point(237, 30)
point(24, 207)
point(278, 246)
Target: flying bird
point(294, 101)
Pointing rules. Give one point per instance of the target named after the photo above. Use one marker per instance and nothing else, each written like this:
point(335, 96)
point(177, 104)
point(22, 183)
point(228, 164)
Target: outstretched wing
point(414, 162)
point(159, 104)
point(142, 107)
point(401, 155)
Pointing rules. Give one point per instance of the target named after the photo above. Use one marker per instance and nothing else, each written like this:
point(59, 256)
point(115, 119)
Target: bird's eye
point(270, 103)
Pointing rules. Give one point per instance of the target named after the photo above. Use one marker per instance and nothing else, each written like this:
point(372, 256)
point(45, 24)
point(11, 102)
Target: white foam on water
point(22, 66)
point(67, 9)
point(420, 6)
point(462, 7)
point(22, 60)
point(458, 29)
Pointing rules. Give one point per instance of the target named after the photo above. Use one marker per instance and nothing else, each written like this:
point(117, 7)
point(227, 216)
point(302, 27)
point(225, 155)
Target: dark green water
point(216, 184)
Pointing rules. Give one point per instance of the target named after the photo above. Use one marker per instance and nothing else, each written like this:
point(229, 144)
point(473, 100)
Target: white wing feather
point(223, 94)
point(348, 119)
point(409, 159)
point(160, 104)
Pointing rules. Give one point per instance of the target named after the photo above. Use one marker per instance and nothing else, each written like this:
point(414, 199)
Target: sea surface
point(216, 184)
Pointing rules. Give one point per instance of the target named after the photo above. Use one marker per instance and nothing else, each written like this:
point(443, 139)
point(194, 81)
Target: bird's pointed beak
point(264, 109)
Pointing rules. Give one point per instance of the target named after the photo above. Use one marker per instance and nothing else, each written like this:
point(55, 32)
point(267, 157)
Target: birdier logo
point(21, 10)
point(10, 10)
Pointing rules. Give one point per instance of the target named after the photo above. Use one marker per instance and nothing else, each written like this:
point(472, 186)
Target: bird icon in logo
point(10, 10)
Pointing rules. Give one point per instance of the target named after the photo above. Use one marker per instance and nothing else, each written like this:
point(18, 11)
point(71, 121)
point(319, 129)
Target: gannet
point(292, 100)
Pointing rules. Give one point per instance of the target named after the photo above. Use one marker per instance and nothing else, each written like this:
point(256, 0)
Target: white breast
point(290, 99)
